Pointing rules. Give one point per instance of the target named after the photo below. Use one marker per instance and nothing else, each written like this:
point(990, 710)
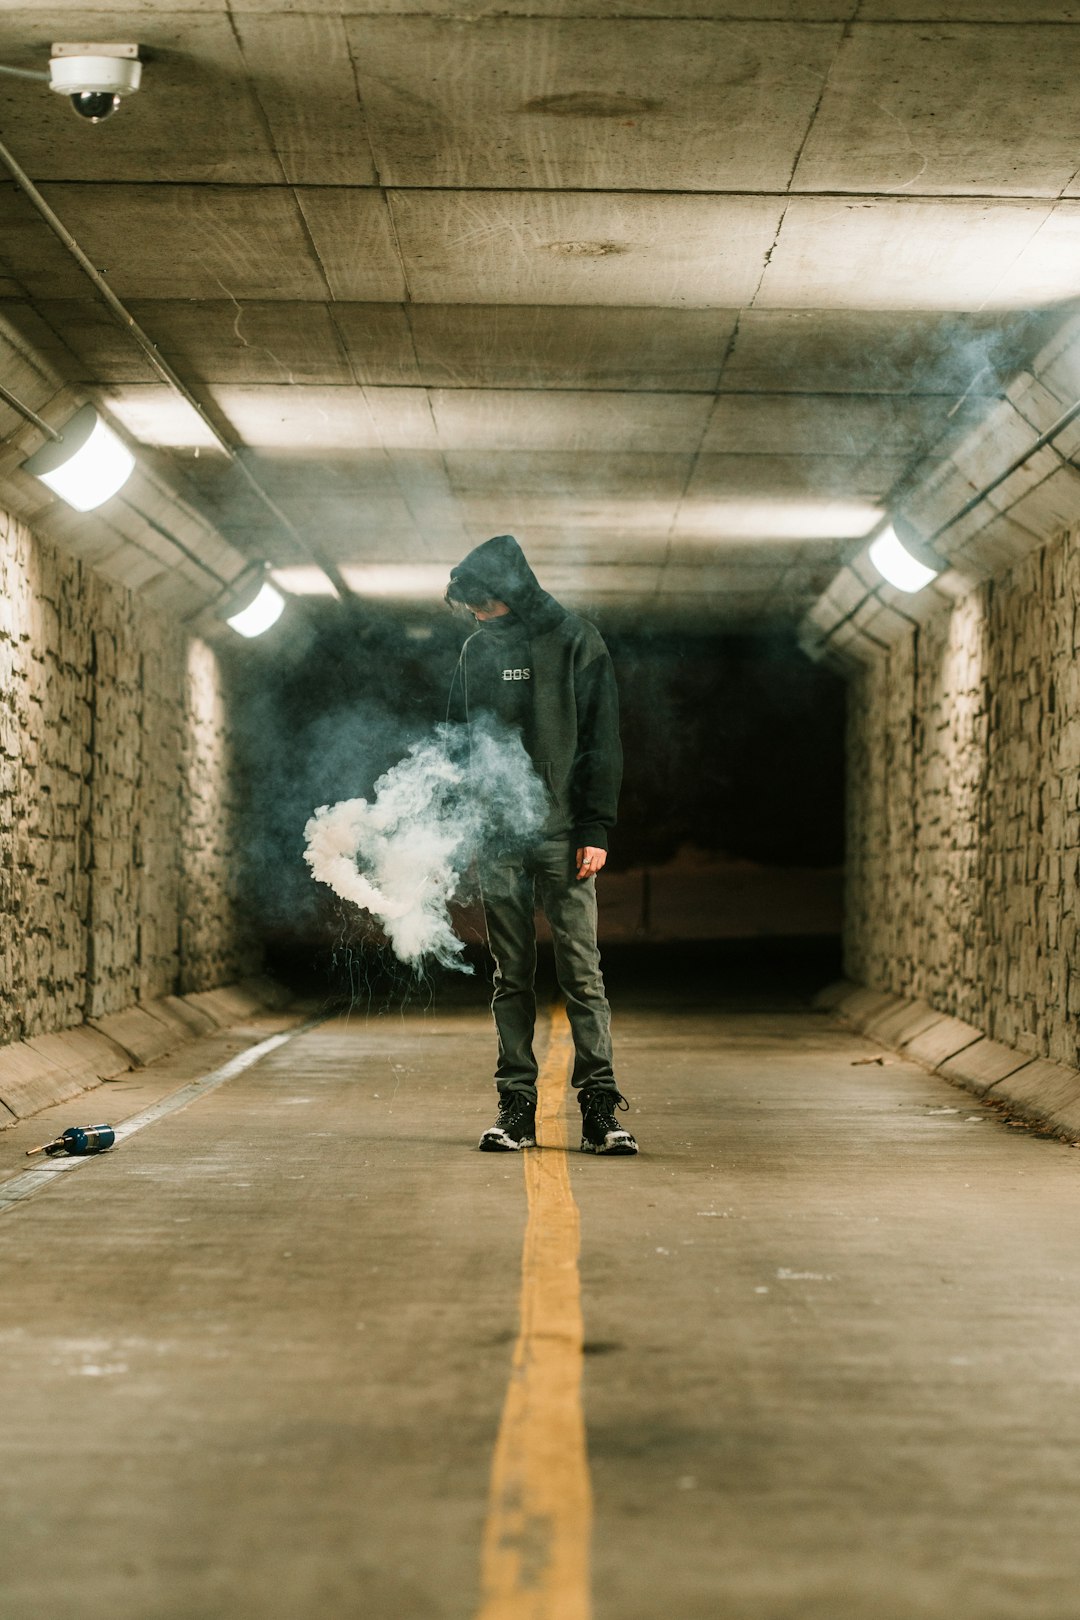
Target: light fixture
point(395, 579)
point(903, 558)
point(255, 606)
point(84, 464)
point(303, 579)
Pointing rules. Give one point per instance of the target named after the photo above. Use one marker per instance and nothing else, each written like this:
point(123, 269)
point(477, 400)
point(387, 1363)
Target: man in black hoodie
point(543, 670)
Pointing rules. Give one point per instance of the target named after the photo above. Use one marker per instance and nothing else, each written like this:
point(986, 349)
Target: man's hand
point(589, 861)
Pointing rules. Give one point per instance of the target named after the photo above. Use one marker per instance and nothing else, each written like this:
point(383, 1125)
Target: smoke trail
point(402, 857)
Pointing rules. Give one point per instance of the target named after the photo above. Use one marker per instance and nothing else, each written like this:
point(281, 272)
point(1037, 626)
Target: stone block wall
point(111, 775)
point(963, 871)
point(211, 949)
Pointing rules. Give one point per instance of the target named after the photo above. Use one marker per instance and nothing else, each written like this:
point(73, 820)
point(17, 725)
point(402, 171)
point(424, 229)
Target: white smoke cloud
point(403, 855)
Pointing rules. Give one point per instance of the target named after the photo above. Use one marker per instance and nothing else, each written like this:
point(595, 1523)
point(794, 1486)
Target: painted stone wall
point(116, 797)
point(964, 810)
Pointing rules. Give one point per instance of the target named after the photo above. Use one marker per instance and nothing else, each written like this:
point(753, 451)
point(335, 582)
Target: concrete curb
point(1037, 1089)
point(45, 1069)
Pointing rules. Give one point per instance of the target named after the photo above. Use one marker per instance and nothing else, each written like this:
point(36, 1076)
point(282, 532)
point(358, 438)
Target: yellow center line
point(535, 1555)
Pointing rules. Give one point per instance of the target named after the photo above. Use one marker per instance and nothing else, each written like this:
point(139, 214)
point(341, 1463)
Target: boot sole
point(622, 1150)
point(490, 1143)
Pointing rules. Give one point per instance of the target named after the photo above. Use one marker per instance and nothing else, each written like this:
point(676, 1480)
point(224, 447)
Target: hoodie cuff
point(595, 836)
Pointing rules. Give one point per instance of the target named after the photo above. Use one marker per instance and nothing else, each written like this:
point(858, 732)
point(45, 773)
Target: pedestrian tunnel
point(783, 400)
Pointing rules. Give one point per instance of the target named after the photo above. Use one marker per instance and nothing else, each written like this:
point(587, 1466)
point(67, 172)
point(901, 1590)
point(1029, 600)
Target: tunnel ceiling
point(678, 299)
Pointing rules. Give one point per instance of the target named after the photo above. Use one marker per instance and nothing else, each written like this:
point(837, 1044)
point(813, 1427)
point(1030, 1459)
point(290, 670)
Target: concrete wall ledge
point(47, 1069)
point(1037, 1089)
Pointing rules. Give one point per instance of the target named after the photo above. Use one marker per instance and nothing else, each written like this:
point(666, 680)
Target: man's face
point(490, 610)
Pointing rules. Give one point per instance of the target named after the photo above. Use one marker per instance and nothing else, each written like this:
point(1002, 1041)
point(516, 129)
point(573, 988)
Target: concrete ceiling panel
point(563, 542)
point(540, 346)
point(711, 575)
point(353, 522)
point(32, 254)
point(210, 340)
point(32, 332)
point(1046, 271)
point(894, 254)
point(581, 248)
point(156, 414)
point(583, 477)
point(195, 118)
point(750, 10)
point(381, 522)
point(876, 351)
point(969, 11)
point(129, 10)
point(941, 110)
point(354, 238)
point(378, 342)
point(360, 479)
point(366, 477)
point(518, 419)
point(165, 241)
point(776, 556)
point(845, 477)
point(250, 342)
point(632, 520)
point(853, 425)
point(306, 86)
point(268, 542)
point(346, 481)
point(530, 102)
point(310, 422)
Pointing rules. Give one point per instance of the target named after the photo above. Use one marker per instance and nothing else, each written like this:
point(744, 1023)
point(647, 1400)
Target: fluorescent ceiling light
point(86, 465)
point(259, 614)
point(396, 579)
point(304, 580)
point(895, 561)
point(776, 518)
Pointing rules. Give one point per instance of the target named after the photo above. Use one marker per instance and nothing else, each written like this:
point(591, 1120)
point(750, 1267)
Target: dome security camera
point(95, 77)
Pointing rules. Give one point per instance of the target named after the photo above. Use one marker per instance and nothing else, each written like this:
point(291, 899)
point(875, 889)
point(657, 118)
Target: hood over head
point(499, 566)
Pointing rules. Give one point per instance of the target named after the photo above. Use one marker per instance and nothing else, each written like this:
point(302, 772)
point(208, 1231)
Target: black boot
point(600, 1130)
point(515, 1126)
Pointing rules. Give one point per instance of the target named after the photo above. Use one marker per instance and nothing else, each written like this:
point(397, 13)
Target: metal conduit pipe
point(31, 416)
point(185, 550)
point(977, 499)
point(24, 73)
point(1014, 466)
point(160, 365)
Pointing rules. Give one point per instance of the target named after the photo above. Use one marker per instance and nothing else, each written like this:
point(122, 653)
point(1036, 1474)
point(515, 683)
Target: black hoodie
point(546, 670)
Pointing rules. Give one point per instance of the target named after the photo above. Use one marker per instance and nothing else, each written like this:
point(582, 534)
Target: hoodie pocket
point(545, 770)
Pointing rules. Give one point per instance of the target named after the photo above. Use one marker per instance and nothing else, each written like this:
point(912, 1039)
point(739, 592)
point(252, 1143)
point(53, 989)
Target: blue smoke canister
point(78, 1140)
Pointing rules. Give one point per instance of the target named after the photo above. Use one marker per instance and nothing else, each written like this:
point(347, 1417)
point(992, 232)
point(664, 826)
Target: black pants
point(511, 891)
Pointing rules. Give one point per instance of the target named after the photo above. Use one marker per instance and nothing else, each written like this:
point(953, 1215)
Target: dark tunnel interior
point(726, 863)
